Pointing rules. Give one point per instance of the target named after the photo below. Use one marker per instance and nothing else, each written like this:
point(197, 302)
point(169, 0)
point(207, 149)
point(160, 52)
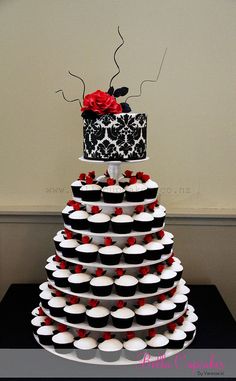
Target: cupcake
point(67, 247)
point(135, 192)
point(50, 268)
point(166, 308)
point(85, 346)
point(75, 313)
point(154, 250)
point(175, 336)
point(134, 347)
point(126, 285)
point(91, 192)
point(79, 220)
point(110, 349)
point(45, 334)
point(102, 180)
point(44, 297)
point(143, 222)
point(125, 179)
point(56, 306)
point(175, 266)
point(99, 223)
point(156, 342)
point(65, 214)
point(122, 223)
point(152, 188)
point(134, 253)
point(60, 277)
point(75, 187)
point(79, 282)
point(97, 316)
point(122, 317)
point(63, 342)
point(166, 241)
point(159, 216)
point(186, 326)
point(101, 285)
point(57, 240)
point(148, 283)
point(145, 314)
point(180, 301)
point(110, 255)
point(87, 252)
point(167, 276)
point(113, 194)
point(36, 322)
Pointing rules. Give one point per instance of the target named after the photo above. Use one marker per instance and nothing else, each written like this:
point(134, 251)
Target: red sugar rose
point(171, 327)
point(61, 327)
point(85, 239)
point(130, 335)
point(77, 206)
point(120, 304)
point(101, 103)
point(107, 241)
point(131, 241)
point(68, 234)
point(82, 176)
point(139, 209)
point(111, 181)
point(78, 269)
point(141, 302)
point(118, 211)
point(57, 258)
point(148, 238)
point(58, 293)
point(128, 173)
point(93, 303)
point(144, 270)
point(89, 180)
point(161, 298)
point(139, 175)
point(159, 268)
point(145, 177)
point(180, 320)
point(71, 202)
point(160, 234)
point(152, 332)
point(95, 209)
point(99, 272)
point(40, 311)
point(73, 299)
point(152, 206)
point(107, 336)
point(170, 261)
point(48, 321)
point(132, 180)
point(81, 333)
point(91, 174)
point(172, 292)
point(119, 272)
point(63, 265)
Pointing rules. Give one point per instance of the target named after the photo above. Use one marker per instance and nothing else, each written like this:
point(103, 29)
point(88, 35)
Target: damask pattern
point(115, 137)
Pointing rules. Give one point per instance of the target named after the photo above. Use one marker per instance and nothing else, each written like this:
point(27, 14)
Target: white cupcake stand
point(114, 170)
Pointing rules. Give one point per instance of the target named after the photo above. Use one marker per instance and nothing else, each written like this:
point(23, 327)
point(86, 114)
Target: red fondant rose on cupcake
point(101, 103)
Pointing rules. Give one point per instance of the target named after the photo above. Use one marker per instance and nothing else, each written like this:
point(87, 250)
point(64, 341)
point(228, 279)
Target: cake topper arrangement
point(105, 102)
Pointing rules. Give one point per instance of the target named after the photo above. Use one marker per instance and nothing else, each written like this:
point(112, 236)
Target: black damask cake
point(115, 137)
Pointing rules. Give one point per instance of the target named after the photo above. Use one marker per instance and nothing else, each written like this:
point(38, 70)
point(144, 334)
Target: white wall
point(191, 110)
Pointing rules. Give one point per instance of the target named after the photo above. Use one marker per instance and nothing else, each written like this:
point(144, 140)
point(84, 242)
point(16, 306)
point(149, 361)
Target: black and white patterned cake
point(115, 137)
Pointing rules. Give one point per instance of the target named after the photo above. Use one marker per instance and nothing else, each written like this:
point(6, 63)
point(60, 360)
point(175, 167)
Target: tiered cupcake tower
point(115, 291)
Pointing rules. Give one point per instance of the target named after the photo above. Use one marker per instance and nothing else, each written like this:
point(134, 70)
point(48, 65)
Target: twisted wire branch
point(68, 100)
point(81, 79)
point(149, 80)
point(114, 57)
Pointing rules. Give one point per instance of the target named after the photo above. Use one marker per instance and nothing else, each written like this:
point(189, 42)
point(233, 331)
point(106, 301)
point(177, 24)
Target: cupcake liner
point(180, 306)
point(57, 247)
point(35, 328)
point(75, 318)
point(63, 348)
point(125, 290)
point(102, 290)
point(158, 222)
point(142, 226)
point(93, 195)
point(121, 228)
point(57, 312)
point(111, 260)
point(49, 274)
point(87, 257)
point(66, 218)
point(134, 355)
point(167, 283)
point(110, 356)
point(133, 259)
point(179, 275)
point(135, 196)
point(122, 323)
point(165, 314)
point(61, 282)
point(79, 287)
point(68, 252)
point(113, 198)
point(81, 224)
point(101, 227)
point(76, 191)
point(167, 248)
point(151, 193)
point(97, 322)
point(148, 288)
point(45, 339)
point(189, 335)
point(157, 351)
point(146, 319)
point(176, 344)
point(44, 303)
point(152, 255)
point(86, 354)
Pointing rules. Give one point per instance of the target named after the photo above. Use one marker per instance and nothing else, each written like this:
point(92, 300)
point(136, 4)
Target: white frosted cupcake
point(146, 314)
point(166, 309)
point(75, 187)
point(175, 336)
point(134, 348)
point(134, 254)
point(58, 239)
point(189, 328)
point(113, 194)
point(135, 192)
point(152, 189)
point(97, 316)
point(154, 250)
point(167, 278)
point(122, 224)
point(157, 343)
point(85, 347)
point(60, 277)
point(63, 342)
point(56, 306)
point(110, 349)
point(87, 252)
point(148, 284)
point(110, 255)
point(65, 213)
point(159, 216)
point(101, 285)
point(99, 223)
point(180, 301)
point(79, 282)
point(50, 268)
point(44, 297)
point(90, 192)
point(75, 313)
point(79, 220)
point(67, 247)
point(126, 285)
point(122, 317)
point(143, 222)
point(45, 334)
